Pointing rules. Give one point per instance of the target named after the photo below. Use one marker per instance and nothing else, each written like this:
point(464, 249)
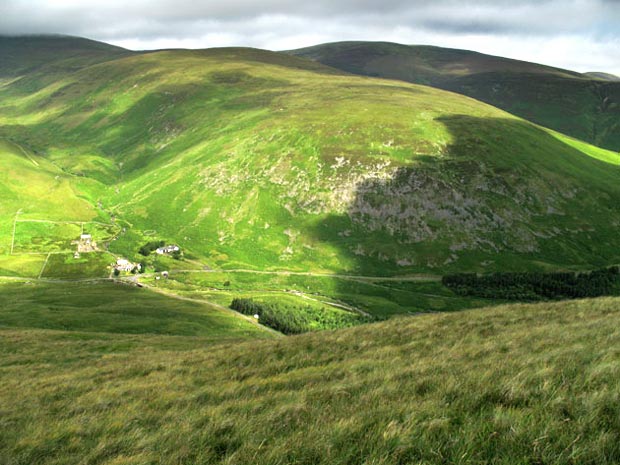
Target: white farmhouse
point(168, 249)
point(86, 243)
point(123, 264)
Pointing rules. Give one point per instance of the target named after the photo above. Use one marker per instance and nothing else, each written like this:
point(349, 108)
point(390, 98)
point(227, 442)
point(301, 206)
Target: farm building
point(168, 249)
point(86, 244)
point(123, 264)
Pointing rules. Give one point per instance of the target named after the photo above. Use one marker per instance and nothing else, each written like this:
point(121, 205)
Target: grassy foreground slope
point(513, 384)
point(253, 159)
point(585, 106)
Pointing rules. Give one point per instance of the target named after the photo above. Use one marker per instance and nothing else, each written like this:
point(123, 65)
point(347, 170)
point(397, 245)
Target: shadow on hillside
point(587, 110)
point(504, 195)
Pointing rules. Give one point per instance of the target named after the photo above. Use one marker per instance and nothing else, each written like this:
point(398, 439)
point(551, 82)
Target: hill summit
point(580, 105)
point(24, 54)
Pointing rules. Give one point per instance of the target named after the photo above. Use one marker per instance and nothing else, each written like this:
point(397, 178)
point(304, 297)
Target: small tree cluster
point(536, 286)
point(149, 247)
point(296, 319)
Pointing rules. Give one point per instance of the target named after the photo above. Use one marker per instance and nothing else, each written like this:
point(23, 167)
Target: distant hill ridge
point(581, 105)
point(603, 76)
point(426, 60)
point(23, 54)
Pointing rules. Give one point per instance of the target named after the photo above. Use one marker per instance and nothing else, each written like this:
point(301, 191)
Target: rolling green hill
point(513, 384)
point(20, 55)
point(603, 76)
point(257, 160)
point(309, 191)
point(584, 106)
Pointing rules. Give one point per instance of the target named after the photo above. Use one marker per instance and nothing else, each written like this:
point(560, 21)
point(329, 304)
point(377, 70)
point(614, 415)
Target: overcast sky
point(583, 35)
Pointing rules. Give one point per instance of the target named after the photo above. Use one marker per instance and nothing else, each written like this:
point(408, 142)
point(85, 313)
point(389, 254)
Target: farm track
point(409, 278)
point(44, 265)
point(17, 213)
point(82, 223)
point(26, 154)
point(419, 278)
point(331, 303)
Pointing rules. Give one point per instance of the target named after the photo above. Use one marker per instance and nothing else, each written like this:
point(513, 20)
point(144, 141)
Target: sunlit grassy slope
point(253, 159)
point(514, 384)
point(33, 187)
point(586, 106)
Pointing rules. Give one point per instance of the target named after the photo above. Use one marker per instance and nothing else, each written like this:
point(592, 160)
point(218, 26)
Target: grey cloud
point(284, 24)
point(123, 18)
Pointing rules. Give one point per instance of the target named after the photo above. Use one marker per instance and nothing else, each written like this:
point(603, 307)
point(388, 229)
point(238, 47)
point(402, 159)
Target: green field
point(26, 266)
point(45, 237)
point(117, 308)
point(40, 236)
point(379, 298)
point(118, 383)
point(88, 265)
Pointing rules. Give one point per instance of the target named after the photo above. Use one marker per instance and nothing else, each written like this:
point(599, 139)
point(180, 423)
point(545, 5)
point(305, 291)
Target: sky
point(581, 35)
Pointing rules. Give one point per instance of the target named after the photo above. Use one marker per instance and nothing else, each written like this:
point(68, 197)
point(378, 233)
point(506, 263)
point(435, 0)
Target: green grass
point(33, 237)
point(379, 298)
point(25, 266)
point(42, 236)
point(595, 152)
point(33, 188)
point(88, 265)
point(116, 308)
point(580, 105)
point(21, 55)
point(231, 154)
point(512, 384)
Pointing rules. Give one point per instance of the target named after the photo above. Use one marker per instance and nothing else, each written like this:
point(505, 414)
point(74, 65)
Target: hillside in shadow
point(506, 195)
